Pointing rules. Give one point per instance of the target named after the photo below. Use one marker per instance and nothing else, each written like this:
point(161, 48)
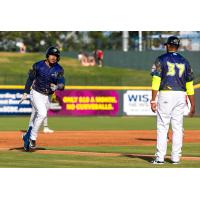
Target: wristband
point(152, 102)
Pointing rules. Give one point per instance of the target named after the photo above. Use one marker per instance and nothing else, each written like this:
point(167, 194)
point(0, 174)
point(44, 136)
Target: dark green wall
point(144, 60)
point(141, 60)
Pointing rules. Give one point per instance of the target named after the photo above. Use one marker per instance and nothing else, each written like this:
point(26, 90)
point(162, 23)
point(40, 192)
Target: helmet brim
point(177, 45)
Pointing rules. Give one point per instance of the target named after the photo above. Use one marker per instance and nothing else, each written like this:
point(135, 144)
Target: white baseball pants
point(40, 105)
point(32, 118)
point(171, 106)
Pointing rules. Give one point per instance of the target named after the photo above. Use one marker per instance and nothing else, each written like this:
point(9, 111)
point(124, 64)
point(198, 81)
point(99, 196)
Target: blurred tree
point(76, 40)
point(32, 39)
point(98, 40)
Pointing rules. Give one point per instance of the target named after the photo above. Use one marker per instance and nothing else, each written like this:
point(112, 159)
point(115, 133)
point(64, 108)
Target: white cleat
point(47, 130)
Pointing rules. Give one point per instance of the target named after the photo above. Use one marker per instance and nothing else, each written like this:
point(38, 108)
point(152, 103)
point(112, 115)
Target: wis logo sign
point(138, 98)
point(137, 102)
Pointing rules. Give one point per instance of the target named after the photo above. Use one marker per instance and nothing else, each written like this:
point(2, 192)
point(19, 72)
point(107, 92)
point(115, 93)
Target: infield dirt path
point(13, 139)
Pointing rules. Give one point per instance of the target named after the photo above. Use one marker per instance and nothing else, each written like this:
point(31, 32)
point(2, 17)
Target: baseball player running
point(172, 76)
point(45, 77)
point(46, 129)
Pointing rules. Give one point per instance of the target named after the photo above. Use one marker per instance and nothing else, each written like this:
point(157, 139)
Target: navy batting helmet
point(173, 40)
point(53, 51)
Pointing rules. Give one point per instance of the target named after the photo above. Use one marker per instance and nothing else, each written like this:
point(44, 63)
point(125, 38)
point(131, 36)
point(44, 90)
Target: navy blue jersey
point(174, 71)
point(41, 76)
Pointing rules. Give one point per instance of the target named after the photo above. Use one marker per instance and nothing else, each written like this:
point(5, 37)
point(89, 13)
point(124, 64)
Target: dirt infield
point(13, 139)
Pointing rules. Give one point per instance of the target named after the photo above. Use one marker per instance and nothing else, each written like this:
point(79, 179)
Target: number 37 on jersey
point(173, 66)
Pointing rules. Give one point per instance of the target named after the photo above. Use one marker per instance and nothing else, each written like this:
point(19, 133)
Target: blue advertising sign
point(9, 102)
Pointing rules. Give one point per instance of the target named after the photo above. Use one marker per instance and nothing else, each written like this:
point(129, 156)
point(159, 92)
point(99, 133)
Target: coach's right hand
point(153, 105)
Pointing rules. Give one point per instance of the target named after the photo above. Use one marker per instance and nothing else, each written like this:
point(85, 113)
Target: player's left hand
point(192, 111)
point(53, 87)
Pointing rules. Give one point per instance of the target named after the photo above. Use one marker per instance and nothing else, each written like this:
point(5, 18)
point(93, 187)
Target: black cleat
point(157, 162)
point(175, 163)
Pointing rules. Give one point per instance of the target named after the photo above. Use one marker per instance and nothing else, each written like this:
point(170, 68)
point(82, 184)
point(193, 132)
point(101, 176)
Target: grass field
point(14, 68)
point(93, 123)
point(31, 160)
point(10, 159)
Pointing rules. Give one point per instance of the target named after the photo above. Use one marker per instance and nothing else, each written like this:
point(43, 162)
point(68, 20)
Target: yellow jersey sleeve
point(156, 82)
point(190, 88)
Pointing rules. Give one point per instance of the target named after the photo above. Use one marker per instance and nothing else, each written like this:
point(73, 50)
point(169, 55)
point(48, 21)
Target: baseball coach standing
point(172, 76)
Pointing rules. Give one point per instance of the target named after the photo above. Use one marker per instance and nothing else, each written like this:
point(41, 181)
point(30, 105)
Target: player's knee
point(42, 115)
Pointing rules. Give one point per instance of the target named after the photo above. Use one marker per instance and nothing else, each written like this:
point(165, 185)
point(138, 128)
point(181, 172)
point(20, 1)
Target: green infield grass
point(188, 149)
point(93, 123)
point(12, 159)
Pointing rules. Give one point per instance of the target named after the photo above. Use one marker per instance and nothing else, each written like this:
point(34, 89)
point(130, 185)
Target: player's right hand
point(24, 97)
point(153, 106)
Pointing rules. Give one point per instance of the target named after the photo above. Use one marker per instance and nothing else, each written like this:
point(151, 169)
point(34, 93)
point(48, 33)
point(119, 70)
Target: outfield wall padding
point(88, 102)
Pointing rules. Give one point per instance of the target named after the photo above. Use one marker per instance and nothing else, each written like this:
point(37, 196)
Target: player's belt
point(41, 92)
point(181, 90)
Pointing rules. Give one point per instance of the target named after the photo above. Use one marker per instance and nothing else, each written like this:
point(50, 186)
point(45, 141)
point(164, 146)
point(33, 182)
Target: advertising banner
point(137, 102)
point(85, 103)
point(9, 103)
point(76, 102)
